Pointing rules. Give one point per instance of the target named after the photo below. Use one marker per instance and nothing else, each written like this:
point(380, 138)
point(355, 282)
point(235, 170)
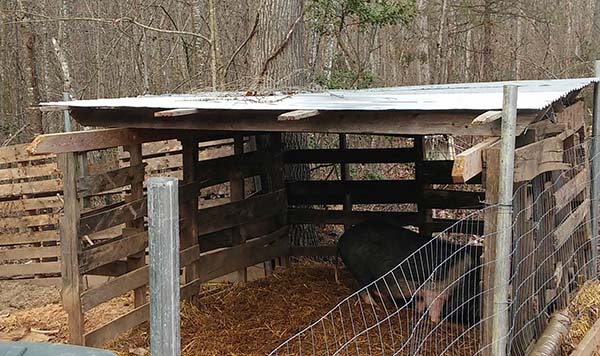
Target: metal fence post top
point(166, 181)
point(597, 68)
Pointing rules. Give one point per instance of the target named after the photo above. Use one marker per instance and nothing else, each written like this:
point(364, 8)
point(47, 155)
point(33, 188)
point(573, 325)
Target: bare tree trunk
point(440, 44)
point(486, 63)
point(596, 32)
point(214, 44)
point(423, 70)
point(32, 94)
point(278, 61)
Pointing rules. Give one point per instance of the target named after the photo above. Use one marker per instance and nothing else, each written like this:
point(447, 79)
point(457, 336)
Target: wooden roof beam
point(297, 115)
point(352, 122)
point(82, 141)
point(469, 163)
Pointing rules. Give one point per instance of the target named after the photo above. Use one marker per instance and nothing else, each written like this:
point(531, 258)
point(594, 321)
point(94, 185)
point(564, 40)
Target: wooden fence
point(30, 204)
point(225, 235)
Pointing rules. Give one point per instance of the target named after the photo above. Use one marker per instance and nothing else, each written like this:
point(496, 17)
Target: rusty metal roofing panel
point(533, 95)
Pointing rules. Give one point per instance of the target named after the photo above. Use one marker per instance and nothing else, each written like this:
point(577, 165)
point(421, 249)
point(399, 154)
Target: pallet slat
point(28, 237)
point(112, 217)
point(12, 270)
point(25, 253)
point(111, 251)
point(37, 187)
point(565, 230)
point(241, 212)
point(29, 172)
point(111, 180)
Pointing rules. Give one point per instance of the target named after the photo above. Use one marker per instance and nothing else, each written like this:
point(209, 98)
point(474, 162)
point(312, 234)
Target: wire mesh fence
point(436, 297)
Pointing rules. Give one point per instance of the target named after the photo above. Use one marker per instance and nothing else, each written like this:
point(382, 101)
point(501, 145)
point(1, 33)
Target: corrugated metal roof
point(533, 95)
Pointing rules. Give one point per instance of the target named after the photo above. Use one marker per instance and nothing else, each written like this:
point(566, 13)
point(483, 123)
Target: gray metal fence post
point(500, 325)
point(66, 115)
point(595, 173)
point(163, 241)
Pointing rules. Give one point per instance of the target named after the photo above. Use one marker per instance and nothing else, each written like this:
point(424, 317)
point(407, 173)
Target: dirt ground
point(20, 295)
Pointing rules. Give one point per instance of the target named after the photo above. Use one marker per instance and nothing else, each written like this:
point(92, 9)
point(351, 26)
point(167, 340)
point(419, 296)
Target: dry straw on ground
point(584, 311)
point(249, 320)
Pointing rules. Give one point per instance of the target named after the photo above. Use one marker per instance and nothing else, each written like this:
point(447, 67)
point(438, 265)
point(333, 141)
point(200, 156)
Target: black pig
point(438, 277)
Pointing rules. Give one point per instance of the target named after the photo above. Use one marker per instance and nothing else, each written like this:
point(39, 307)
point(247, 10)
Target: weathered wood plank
point(491, 176)
point(23, 222)
point(70, 246)
point(27, 172)
point(21, 269)
point(107, 181)
point(565, 230)
point(236, 193)
point(112, 217)
point(298, 115)
point(31, 204)
point(440, 172)
point(18, 153)
point(110, 330)
point(565, 194)
point(469, 163)
point(189, 207)
point(360, 122)
point(25, 253)
point(136, 219)
point(26, 188)
point(111, 251)
point(354, 155)
point(573, 117)
point(590, 343)
point(539, 157)
point(81, 141)
point(128, 281)
point(220, 263)
point(28, 237)
point(241, 212)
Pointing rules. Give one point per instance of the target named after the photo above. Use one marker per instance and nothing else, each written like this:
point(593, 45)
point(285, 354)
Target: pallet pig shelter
point(553, 222)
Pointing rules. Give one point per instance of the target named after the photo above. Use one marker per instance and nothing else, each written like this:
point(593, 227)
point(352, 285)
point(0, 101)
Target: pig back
point(371, 249)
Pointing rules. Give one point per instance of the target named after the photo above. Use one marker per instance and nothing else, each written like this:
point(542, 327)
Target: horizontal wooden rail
point(45, 187)
point(106, 181)
point(12, 270)
point(241, 212)
point(28, 253)
point(340, 217)
point(115, 216)
point(382, 191)
point(565, 194)
point(355, 155)
point(28, 172)
point(28, 237)
point(111, 251)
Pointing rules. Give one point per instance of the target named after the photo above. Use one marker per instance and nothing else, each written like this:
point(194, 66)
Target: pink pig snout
point(432, 302)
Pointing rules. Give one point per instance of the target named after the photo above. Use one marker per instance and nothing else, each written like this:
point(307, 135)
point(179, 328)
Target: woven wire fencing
point(438, 300)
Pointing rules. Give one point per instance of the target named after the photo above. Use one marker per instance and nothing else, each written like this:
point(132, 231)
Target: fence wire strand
point(442, 292)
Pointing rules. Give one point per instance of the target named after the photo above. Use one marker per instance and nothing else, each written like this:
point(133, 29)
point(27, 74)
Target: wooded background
point(121, 48)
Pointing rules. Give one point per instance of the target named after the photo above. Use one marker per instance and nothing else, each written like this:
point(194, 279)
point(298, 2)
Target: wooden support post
point(425, 214)
point(490, 179)
point(70, 247)
point(189, 209)
point(137, 260)
point(277, 177)
point(236, 192)
point(345, 176)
